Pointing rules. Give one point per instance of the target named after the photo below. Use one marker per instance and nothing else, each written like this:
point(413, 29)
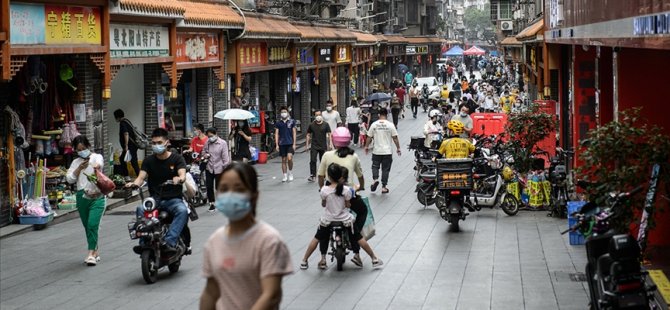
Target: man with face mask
point(331, 116)
point(432, 128)
point(158, 168)
point(285, 138)
point(464, 117)
point(216, 151)
point(317, 142)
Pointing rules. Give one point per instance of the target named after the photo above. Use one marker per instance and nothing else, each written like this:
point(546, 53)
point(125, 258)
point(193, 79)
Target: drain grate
point(578, 277)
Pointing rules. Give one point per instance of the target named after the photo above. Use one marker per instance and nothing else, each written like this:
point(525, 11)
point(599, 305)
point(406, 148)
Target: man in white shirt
point(331, 116)
point(384, 134)
point(432, 128)
point(353, 118)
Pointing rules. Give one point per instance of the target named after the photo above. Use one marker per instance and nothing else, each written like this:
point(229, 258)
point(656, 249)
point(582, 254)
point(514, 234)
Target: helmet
point(434, 113)
point(507, 173)
point(456, 127)
point(341, 137)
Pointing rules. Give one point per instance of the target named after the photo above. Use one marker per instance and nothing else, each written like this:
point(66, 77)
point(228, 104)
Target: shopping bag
point(127, 158)
point(368, 230)
point(104, 183)
point(189, 188)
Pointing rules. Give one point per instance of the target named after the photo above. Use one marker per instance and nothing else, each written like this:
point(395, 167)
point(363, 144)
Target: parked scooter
point(615, 277)
point(558, 177)
point(492, 192)
point(151, 228)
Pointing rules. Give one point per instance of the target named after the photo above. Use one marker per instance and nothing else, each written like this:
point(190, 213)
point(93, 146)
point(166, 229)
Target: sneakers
point(285, 178)
point(311, 178)
point(377, 263)
point(211, 207)
point(357, 261)
point(304, 265)
point(168, 248)
point(290, 177)
point(91, 261)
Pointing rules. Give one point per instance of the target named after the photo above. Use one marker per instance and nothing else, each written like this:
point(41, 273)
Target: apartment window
point(494, 10)
point(412, 16)
point(505, 10)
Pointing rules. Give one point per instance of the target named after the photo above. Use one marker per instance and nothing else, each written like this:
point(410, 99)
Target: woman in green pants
point(90, 201)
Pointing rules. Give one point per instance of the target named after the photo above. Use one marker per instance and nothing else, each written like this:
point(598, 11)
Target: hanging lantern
point(107, 93)
point(173, 93)
point(222, 85)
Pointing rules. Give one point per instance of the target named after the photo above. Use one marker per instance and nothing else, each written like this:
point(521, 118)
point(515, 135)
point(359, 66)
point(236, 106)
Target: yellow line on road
point(662, 283)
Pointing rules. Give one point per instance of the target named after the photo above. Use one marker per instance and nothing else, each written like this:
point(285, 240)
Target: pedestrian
point(396, 107)
point(401, 92)
point(464, 117)
point(450, 73)
point(353, 119)
point(330, 116)
point(90, 201)
point(216, 153)
point(317, 142)
point(285, 138)
point(244, 261)
point(127, 140)
point(199, 139)
point(241, 134)
point(384, 134)
point(344, 156)
point(414, 92)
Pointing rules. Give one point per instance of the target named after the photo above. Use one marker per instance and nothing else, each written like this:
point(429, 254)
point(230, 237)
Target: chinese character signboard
point(410, 50)
point(197, 47)
point(325, 55)
point(422, 49)
point(305, 56)
point(343, 54)
point(127, 41)
point(54, 24)
point(253, 54)
point(278, 54)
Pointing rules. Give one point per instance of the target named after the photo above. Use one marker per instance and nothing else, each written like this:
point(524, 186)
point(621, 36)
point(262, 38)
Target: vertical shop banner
point(26, 23)
point(127, 41)
point(72, 25)
point(343, 54)
point(325, 55)
point(197, 47)
point(160, 109)
point(278, 54)
point(305, 56)
point(80, 112)
point(333, 84)
point(253, 54)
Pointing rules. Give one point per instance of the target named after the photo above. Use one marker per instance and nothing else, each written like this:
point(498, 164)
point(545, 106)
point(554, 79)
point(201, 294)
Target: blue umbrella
point(402, 68)
point(379, 97)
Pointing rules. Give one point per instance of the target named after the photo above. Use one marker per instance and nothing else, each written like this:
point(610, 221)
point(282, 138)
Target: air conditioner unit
point(506, 25)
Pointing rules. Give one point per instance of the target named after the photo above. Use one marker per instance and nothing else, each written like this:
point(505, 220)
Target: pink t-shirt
point(239, 263)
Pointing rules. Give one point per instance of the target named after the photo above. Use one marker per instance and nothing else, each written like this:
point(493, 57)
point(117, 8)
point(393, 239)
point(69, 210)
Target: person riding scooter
point(432, 129)
point(455, 146)
point(425, 94)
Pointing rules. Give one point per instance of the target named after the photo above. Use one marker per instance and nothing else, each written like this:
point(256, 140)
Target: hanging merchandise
point(66, 74)
point(17, 129)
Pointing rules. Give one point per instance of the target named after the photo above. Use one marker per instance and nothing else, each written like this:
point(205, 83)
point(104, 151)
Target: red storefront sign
point(197, 47)
point(253, 54)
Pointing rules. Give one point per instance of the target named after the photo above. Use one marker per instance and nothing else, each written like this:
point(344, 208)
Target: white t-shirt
point(332, 118)
point(353, 114)
point(90, 189)
point(383, 132)
point(430, 130)
point(335, 205)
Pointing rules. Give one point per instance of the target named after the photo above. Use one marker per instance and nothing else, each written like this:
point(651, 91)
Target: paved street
point(495, 262)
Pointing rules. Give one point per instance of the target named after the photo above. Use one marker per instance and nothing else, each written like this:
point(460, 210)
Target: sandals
point(377, 263)
point(374, 186)
point(357, 261)
point(304, 265)
point(323, 265)
point(385, 190)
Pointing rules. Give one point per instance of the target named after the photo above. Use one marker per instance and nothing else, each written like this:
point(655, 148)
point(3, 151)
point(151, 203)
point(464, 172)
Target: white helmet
point(434, 113)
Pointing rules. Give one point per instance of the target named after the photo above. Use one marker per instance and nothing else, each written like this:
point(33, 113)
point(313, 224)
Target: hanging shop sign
point(253, 54)
point(325, 55)
point(278, 54)
point(197, 47)
point(410, 50)
point(54, 24)
point(305, 56)
point(422, 49)
point(127, 41)
point(343, 54)
point(289, 86)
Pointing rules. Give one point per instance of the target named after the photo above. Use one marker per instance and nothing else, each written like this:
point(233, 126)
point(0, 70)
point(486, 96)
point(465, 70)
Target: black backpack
point(139, 138)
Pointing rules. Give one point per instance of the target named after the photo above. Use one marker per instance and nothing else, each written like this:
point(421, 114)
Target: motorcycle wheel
point(174, 267)
point(149, 270)
point(510, 205)
point(454, 222)
point(339, 256)
point(423, 199)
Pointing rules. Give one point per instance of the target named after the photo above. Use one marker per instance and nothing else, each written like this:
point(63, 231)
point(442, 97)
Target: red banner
point(197, 47)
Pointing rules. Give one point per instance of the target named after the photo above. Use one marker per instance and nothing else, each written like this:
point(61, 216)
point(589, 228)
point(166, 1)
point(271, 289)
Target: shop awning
point(395, 39)
point(162, 8)
point(474, 51)
point(454, 51)
point(423, 40)
point(210, 14)
point(313, 33)
point(261, 26)
point(364, 38)
point(510, 41)
point(381, 38)
point(531, 32)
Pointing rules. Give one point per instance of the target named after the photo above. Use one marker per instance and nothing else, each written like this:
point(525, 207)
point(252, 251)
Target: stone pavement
point(495, 262)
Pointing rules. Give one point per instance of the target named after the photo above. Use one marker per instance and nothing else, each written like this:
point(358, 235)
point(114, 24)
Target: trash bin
point(262, 157)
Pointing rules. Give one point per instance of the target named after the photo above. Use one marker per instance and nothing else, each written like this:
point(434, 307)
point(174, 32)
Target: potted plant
point(524, 130)
point(618, 156)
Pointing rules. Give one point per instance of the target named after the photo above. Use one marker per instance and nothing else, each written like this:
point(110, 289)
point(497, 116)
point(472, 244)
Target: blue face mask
point(158, 149)
point(234, 206)
point(84, 153)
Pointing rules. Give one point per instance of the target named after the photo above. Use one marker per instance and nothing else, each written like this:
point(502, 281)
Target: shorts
point(284, 150)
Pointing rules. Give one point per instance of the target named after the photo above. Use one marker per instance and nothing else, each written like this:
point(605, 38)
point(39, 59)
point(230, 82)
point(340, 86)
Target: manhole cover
point(578, 277)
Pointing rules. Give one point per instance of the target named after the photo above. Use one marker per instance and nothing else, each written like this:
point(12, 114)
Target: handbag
point(104, 183)
point(368, 230)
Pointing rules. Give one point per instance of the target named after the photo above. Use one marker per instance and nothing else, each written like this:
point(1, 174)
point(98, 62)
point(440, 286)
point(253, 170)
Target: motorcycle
point(492, 192)
point(558, 178)
point(197, 160)
point(454, 180)
point(425, 95)
point(614, 275)
point(151, 228)
point(339, 243)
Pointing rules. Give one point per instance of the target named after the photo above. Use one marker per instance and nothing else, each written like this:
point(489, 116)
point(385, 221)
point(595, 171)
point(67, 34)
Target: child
point(336, 199)
point(362, 133)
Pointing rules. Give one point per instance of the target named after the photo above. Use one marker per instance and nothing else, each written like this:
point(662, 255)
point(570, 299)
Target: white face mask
point(319, 119)
point(329, 109)
point(284, 115)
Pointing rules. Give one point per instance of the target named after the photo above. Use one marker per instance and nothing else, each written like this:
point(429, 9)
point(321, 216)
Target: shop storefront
point(533, 61)
point(55, 76)
point(395, 55)
point(362, 63)
point(340, 84)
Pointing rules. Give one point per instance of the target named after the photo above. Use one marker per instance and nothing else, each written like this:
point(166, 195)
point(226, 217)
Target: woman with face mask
point(90, 202)
point(242, 135)
point(216, 151)
point(244, 261)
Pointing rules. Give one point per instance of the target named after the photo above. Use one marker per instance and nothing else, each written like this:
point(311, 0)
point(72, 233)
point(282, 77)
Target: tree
point(478, 23)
